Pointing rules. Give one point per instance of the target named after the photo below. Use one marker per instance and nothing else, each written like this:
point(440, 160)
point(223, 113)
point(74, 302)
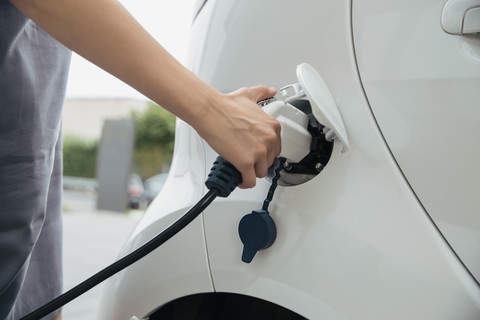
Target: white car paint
point(423, 87)
point(358, 240)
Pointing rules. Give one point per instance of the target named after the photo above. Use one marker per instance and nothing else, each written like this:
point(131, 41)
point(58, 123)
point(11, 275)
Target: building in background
point(84, 118)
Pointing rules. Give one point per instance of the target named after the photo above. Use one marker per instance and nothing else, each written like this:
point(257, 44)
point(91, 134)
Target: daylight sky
point(168, 21)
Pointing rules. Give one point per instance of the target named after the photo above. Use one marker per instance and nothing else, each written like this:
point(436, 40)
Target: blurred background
point(94, 96)
point(93, 236)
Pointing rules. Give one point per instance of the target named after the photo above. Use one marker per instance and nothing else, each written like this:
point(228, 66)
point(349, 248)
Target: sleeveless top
point(33, 74)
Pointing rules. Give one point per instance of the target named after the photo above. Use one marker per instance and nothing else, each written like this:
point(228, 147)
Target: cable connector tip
point(224, 177)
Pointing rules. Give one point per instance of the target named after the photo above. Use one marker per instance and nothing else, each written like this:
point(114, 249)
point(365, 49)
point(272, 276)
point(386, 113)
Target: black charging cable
point(221, 181)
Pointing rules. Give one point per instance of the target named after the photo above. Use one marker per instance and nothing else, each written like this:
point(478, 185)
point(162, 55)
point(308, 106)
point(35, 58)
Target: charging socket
point(305, 144)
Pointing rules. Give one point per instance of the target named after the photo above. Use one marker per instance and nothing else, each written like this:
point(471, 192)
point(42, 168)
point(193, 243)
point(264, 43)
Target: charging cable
point(257, 230)
point(221, 181)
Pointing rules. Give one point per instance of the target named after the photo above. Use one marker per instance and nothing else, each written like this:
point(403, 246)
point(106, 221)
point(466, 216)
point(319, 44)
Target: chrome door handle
point(461, 17)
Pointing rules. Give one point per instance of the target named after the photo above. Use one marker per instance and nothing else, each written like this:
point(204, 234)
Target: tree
point(154, 140)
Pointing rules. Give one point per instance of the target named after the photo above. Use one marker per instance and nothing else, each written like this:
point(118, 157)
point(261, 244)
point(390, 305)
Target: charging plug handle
point(224, 177)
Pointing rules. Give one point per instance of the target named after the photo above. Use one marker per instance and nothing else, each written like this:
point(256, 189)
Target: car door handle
point(461, 17)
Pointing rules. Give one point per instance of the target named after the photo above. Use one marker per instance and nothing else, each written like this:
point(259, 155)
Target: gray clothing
point(33, 74)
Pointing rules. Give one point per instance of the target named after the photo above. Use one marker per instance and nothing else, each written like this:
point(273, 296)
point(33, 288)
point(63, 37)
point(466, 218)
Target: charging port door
point(312, 87)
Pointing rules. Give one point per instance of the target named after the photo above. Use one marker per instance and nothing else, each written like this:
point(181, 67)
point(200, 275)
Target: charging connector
point(224, 177)
point(294, 135)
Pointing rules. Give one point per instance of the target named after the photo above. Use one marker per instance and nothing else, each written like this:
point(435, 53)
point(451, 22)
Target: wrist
point(207, 106)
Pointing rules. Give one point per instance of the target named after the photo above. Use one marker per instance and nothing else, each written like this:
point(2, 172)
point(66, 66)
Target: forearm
point(103, 32)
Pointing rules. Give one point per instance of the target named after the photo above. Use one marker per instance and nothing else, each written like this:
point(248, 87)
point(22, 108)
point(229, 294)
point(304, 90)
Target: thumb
point(261, 92)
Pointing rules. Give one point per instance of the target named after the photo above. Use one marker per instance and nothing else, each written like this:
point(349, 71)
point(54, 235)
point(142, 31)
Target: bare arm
point(103, 32)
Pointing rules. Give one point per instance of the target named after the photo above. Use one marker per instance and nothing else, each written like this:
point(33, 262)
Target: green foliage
point(154, 140)
point(155, 127)
point(79, 157)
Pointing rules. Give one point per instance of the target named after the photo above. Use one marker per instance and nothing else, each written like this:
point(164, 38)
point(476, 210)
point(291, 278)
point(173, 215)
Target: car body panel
point(154, 185)
point(423, 85)
point(352, 243)
point(179, 267)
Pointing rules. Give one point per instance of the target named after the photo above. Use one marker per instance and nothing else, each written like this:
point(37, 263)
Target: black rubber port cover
point(257, 231)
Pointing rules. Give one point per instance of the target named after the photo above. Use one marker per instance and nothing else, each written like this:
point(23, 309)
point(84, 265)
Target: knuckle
point(246, 165)
point(262, 152)
point(273, 140)
point(276, 126)
point(243, 90)
point(251, 184)
point(262, 87)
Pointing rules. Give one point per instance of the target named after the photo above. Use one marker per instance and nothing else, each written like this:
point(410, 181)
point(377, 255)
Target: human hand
point(242, 133)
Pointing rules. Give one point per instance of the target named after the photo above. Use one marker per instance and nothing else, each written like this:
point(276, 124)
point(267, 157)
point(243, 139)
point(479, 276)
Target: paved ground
point(92, 240)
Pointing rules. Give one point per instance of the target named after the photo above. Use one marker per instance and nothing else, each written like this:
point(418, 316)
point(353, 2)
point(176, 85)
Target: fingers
point(248, 177)
point(242, 133)
point(276, 140)
point(270, 146)
point(263, 156)
point(263, 92)
point(256, 168)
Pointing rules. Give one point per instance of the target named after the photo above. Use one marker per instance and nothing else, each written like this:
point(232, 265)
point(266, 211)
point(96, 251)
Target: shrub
point(154, 140)
point(79, 157)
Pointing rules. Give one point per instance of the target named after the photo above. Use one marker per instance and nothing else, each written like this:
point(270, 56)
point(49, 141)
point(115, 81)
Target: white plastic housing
point(295, 137)
point(323, 105)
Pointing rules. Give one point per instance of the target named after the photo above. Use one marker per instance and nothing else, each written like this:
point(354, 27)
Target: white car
point(389, 229)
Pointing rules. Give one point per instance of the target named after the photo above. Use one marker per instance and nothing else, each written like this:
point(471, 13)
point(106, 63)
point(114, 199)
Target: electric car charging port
point(315, 161)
